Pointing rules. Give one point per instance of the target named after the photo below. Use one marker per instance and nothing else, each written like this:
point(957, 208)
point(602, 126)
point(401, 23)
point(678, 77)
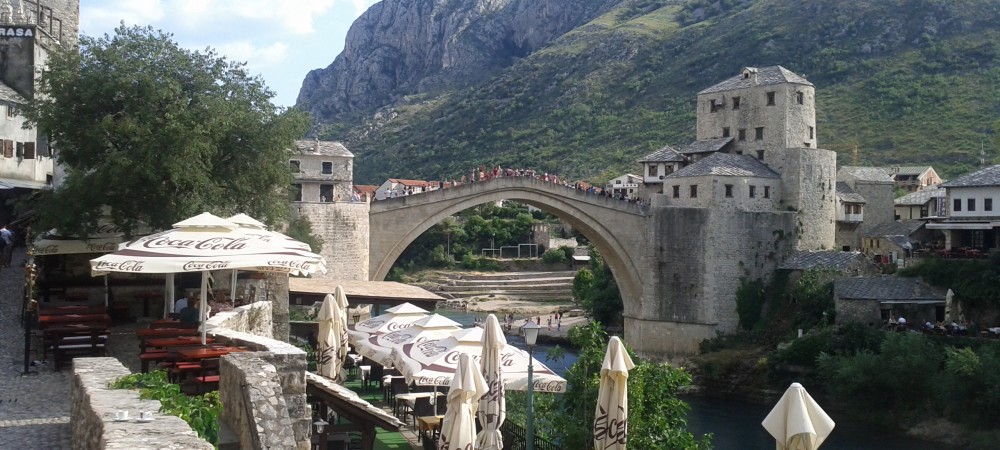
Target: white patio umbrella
point(379, 347)
point(493, 405)
point(395, 318)
point(327, 340)
point(340, 329)
point(611, 417)
point(458, 426)
point(797, 422)
point(204, 243)
point(433, 362)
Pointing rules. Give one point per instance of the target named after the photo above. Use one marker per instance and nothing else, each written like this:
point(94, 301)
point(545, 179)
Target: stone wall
point(289, 395)
point(254, 318)
point(863, 311)
point(344, 228)
point(808, 177)
point(93, 407)
point(255, 407)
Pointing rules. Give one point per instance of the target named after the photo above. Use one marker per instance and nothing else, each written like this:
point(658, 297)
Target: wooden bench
point(69, 347)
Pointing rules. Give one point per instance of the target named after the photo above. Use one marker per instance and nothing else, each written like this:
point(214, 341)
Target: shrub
point(554, 256)
point(201, 412)
point(804, 351)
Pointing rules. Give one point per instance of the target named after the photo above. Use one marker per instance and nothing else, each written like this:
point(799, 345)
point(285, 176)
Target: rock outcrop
point(403, 47)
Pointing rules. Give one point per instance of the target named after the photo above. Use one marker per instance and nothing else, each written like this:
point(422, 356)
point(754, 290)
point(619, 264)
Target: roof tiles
point(726, 164)
point(765, 76)
point(989, 176)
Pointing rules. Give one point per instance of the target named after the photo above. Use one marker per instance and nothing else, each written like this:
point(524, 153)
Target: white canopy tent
point(204, 243)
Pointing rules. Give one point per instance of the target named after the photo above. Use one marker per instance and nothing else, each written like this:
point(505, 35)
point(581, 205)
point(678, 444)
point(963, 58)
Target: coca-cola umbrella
point(433, 362)
point(204, 243)
point(379, 347)
point(611, 416)
point(493, 405)
point(395, 318)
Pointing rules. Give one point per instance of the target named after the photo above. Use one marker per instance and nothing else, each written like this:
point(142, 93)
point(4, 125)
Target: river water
point(736, 424)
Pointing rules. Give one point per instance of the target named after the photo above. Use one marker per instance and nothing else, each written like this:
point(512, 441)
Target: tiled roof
point(765, 76)
point(326, 148)
point(726, 164)
point(920, 197)
point(906, 170)
point(884, 289)
point(989, 176)
point(847, 194)
point(8, 94)
point(864, 173)
point(820, 260)
point(365, 188)
point(665, 154)
point(895, 228)
point(706, 145)
point(420, 183)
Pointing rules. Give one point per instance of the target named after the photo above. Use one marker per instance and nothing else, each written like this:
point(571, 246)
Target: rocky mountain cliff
point(403, 47)
point(583, 88)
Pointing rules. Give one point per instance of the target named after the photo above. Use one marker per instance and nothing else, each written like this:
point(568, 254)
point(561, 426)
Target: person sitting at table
point(183, 302)
point(189, 315)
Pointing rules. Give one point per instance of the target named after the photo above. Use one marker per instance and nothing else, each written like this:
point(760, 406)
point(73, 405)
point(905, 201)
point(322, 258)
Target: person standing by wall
point(8, 245)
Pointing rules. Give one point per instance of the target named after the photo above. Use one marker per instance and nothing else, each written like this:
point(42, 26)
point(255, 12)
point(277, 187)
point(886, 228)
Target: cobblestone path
point(34, 409)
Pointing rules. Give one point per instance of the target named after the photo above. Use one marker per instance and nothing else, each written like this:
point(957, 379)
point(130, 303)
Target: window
point(742, 134)
point(8, 148)
point(767, 191)
point(694, 191)
point(987, 204)
point(753, 191)
point(847, 208)
point(799, 97)
point(20, 150)
point(857, 209)
point(760, 154)
point(11, 111)
point(668, 169)
point(326, 192)
point(957, 206)
point(677, 192)
point(618, 181)
point(725, 131)
point(295, 193)
point(736, 103)
point(715, 105)
point(812, 133)
point(729, 191)
point(970, 204)
point(653, 170)
point(294, 165)
point(770, 98)
point(327, 167)
point(29, 150)
point(759, 133)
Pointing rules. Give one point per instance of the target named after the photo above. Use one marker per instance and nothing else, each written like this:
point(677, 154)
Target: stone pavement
point(34, 409)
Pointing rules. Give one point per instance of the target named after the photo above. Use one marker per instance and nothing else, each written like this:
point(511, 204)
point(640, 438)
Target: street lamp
point(357, 317)
point(530, 336)
point(320, 426)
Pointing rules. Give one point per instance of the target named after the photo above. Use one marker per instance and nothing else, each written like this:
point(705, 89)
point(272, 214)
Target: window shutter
point(8, 149)
point(29, 150)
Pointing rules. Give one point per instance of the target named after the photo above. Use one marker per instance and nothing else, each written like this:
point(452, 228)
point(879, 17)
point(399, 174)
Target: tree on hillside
point(160, 133)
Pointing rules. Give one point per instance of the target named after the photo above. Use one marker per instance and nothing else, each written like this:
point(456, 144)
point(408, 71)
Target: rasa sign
point(17, 32)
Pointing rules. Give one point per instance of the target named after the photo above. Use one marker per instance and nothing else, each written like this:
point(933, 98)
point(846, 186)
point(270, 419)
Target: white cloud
point(107, 15)
point(292, 16)
point(255, 57)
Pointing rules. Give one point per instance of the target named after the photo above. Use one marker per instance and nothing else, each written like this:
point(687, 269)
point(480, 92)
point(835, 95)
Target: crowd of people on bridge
point(483, 173)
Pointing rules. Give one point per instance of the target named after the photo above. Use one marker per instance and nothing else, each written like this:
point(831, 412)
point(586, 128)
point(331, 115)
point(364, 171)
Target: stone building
point(877, 300)
point(875, 186)
point(656, 166)
point(913, 178)
point(323, 192)
point(925, 203)
point(973, 221)
point(29, 30)
point(626, 185)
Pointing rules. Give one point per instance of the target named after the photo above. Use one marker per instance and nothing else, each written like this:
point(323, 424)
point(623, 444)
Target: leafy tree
point(603, 301)
point(300, 228)
point(583, 282)
point(160, 133)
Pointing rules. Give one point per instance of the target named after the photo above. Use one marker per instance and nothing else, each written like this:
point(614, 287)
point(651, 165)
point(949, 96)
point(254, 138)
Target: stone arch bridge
point(614, 226)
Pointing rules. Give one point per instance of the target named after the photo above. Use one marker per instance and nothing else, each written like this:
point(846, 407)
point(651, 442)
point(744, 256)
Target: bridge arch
point(615, 227)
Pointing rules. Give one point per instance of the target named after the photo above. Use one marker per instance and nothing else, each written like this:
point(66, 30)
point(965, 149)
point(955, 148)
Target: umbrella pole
point(169, 296)
point(204, 305)
point(106, 299)
point(232, 287)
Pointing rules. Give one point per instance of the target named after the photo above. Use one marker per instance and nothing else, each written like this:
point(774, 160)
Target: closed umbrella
point(493, 405)
point(797, 422)
point(340, 329)
point(458, 427)
point(327, 340)
point(611, 418)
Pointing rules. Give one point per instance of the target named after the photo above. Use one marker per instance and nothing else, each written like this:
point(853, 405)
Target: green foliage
point(300, 229)
point(750, 299)
point(899, 80)
point(583, 282)
point(554, 256)
point(201, 412)
point(160, 133)
point(602, 300)
point(976, 283)
point(657, 418)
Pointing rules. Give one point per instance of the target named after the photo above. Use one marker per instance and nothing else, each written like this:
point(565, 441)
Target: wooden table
point(197, 354)
point(410, 399)
point(430, 424)
point(150, 333)
point(45, 321)
point(47, 310)
point(179, 341)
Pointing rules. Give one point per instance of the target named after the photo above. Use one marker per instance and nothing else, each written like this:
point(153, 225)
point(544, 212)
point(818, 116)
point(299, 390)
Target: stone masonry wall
point(93, 407)
point(809, 177)
point(255, 407)
point(289, 363)
point(344, 228)
point(254, 318)
point(275, 292)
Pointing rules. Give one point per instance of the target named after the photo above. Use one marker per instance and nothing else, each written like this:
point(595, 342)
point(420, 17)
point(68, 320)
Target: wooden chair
point(209, 375)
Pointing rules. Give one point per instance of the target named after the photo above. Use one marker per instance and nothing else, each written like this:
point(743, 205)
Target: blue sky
point(281, 40)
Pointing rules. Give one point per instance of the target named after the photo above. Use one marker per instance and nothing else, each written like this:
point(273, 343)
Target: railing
point(514, 438)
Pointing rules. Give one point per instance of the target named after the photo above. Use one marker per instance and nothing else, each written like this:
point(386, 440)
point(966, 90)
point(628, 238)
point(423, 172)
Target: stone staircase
point(531, 286)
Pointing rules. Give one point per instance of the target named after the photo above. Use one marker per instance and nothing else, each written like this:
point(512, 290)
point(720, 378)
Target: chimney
point(316, 146)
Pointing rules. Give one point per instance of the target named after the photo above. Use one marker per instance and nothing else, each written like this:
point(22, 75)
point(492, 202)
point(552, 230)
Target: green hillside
point(904, 81)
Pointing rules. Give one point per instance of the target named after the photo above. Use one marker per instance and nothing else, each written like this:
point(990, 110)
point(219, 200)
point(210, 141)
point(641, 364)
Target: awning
point(10, 183)
point(963, 226)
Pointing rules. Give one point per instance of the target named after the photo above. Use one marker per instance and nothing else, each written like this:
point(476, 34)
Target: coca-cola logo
point(206, 265)
point(396, 326)
point(298, 265)
point(47, 250)
point(105, 247)
point(107, 228)
point(452, 357)
point(548, 385)
point(120, 266)
point(433, 381)
point(611, 430)
point(216, 243)
point(398, 337)
point(507, 360)
point(372, 323)
point(431, 348)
